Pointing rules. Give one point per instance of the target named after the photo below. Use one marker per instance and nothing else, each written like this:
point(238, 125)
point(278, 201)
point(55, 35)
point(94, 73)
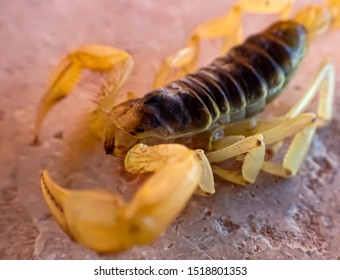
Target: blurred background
point(296, 218)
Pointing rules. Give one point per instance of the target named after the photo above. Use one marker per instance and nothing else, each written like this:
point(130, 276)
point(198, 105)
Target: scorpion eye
point(140, 129)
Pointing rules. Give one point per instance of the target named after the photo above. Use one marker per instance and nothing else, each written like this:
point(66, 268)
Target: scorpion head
point(137, 119)
point(121, 129)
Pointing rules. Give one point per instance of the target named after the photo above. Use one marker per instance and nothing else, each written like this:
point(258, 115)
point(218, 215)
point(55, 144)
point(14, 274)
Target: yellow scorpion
point(182, 130)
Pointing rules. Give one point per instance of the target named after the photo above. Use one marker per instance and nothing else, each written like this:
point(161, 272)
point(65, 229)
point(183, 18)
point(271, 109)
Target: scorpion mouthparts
point(109, 147)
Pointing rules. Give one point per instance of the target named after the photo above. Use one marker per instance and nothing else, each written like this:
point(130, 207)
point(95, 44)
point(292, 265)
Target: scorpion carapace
point(233, 87)
point(183, 130)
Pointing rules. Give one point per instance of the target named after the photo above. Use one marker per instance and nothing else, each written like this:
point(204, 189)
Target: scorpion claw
point(55, 197)
point(102, 221)
point(89, 217)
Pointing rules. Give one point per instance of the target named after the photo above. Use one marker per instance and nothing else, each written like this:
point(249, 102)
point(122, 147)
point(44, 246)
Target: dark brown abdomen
point(232, 87)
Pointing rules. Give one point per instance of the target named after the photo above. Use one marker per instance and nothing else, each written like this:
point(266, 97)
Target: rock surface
point(298, 218)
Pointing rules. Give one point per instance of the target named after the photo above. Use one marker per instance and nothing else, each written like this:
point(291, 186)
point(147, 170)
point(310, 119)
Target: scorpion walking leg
point(67, 73)
point(227, 27)
point(324, 85)
point(227, 141)
point(254, 149)
point(185, 60)
point(104, 222)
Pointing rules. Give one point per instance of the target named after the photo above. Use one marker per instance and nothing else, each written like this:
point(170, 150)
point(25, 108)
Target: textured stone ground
point(272, 219)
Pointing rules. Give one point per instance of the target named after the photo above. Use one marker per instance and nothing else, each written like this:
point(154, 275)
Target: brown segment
point(231, 88)
point(263, 63)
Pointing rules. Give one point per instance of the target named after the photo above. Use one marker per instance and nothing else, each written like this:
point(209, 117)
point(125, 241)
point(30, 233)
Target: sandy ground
point(296, 218)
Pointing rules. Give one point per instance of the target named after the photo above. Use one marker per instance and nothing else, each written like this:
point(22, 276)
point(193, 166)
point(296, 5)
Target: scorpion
point(184, 129)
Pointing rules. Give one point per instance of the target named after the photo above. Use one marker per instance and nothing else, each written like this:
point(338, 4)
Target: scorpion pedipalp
point(67, 74)
point(104, 222)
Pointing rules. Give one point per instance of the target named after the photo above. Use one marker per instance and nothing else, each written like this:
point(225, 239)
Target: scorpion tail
point(319, 19)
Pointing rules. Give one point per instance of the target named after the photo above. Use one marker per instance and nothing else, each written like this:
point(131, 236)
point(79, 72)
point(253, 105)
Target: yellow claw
point(89, 217)
point(67, 74)
point(104, 222)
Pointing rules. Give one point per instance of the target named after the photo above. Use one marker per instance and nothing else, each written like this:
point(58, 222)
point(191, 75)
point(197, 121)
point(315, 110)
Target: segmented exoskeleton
point(233, 87)
point(183, 131)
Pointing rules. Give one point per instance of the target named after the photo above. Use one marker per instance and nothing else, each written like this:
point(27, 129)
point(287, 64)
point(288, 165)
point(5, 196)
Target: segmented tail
point(319, 19)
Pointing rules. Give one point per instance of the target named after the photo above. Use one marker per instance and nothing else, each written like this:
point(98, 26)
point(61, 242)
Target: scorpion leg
point(254, 149)
point(185, 60)
point(324, 85)
point(106, 223)
point(227, 141)
point(67, 73)
point(228, 27)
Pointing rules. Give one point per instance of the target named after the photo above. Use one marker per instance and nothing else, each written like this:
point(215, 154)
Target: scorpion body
point(233, 87)
point(182, 131)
